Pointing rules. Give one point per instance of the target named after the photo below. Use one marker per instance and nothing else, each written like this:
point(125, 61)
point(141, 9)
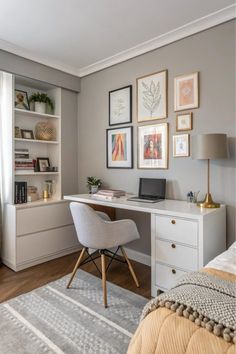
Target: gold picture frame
point(153, 146)
point(151, 96)
point(184, 122)
point(186, 92)
point(181, 146)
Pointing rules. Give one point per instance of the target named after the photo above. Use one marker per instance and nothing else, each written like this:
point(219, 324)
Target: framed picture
point(152, 96)
point(27, 134)
point(43, 164)
point(186, 95)
point(184, 121)
point(153, 146)
point(181, 145)
point(120, 106)
point(21, 100)
point(17, 132)
point(120, 147)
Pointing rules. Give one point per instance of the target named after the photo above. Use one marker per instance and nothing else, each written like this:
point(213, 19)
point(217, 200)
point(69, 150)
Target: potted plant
point(93, 184)
point(40, 101)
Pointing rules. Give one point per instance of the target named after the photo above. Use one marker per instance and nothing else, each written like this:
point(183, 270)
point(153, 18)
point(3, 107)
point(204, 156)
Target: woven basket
point(45, 131)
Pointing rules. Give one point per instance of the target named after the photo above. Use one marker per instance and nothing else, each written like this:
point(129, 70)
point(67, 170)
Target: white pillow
point(226, 261)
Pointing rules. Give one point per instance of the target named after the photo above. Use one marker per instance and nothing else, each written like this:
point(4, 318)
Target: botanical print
point(186, 92)
point(119, 150)
point(120, 147)
point(120, 106)
point(151, 96)
point(153, 146)
point(181, 145)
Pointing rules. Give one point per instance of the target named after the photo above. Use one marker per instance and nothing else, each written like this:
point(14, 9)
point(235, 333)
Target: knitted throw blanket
point(208, 301)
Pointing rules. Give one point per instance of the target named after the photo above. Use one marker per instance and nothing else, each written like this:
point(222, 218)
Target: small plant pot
point(40, 107)
point(94, 189)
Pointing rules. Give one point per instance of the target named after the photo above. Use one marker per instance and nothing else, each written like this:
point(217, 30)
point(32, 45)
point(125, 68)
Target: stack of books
point(109, 194)
point(22, 160)
point(20, 192)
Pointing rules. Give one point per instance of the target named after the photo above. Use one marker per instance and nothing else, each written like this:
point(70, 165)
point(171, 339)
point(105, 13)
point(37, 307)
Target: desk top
point(165, 207)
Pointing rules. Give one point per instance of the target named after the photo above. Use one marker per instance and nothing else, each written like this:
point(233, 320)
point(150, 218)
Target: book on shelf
point(20, 192)
point(25, 164)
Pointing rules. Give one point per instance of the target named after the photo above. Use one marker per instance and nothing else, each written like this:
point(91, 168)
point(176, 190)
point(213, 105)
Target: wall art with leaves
point(152, 96)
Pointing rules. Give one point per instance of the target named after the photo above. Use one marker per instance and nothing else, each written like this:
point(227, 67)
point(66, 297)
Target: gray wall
point(17, 65)
point(212, 53)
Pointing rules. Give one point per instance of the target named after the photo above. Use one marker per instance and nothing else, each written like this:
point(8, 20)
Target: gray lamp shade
point(209, 146)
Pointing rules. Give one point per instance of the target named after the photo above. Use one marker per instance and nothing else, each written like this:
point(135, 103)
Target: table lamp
point(209, 147)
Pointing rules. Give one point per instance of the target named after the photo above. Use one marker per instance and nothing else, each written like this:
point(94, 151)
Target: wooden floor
point(13, 284)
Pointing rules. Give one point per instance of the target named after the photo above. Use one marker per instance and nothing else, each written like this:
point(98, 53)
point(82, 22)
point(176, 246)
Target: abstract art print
point(120, 106)
point(184, 121)
point(153, 146)
point(120, 147)
point(152, 96)
point(181, 145)
point(186, 92)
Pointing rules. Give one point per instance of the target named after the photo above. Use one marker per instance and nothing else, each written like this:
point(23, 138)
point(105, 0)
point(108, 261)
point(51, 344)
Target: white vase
point(40, 107)
point(94, 189)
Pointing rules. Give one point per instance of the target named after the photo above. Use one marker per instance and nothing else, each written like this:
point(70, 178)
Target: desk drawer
point(36, 219)
point(176, 229)
point(177, 255)
point(166, 277)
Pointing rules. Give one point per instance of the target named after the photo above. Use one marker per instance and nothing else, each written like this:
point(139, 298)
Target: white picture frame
point(120, 147)
point(186, 92)
point(153, 146)
point(181, 145)
point(152, 96)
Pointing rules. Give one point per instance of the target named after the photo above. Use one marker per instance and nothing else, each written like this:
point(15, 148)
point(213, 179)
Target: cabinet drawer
point(177, 255)
point(41, 218)
point(166, 277)
point(42, 244)
point(180, 230)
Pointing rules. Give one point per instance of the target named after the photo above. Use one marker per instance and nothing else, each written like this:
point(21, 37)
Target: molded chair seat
point(96, 230)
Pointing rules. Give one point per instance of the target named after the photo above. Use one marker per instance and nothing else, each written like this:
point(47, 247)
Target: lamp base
point(208, 202)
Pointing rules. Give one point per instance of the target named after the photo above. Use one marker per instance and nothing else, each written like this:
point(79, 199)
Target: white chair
point(96, 230)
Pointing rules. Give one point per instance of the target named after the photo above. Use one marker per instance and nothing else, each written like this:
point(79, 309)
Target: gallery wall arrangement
point(151, 105)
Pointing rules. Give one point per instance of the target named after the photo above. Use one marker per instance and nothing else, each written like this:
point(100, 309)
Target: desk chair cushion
point(96, 232)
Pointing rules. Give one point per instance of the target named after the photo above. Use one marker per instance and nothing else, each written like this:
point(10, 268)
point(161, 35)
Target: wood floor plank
point(13, 284)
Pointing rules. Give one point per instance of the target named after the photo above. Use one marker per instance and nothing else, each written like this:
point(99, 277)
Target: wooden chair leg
point(130, 267)
point(104, 285)
point(76, 266)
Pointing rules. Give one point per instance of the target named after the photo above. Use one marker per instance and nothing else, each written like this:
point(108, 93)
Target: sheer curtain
point(6, 134)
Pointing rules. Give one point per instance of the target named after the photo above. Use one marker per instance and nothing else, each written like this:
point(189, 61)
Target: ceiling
point(75, 35)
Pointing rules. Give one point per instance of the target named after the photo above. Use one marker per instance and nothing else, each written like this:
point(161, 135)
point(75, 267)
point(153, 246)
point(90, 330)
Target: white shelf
point(37, 141)
point(39, 202)
point(26, 113)
point(32, 173)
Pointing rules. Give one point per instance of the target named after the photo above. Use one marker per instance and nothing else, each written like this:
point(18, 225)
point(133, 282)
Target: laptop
point(151, 190)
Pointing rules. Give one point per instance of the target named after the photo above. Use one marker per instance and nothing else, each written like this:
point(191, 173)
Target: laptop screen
point(152, 187)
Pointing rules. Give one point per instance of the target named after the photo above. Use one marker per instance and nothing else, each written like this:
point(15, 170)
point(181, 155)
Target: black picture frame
point(127, 110)
point(27, 134)
point(41, 160)
point(21, 100)
point(119, 164)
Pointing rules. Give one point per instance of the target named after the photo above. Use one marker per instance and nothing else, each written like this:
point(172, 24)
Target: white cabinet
point(182, 243)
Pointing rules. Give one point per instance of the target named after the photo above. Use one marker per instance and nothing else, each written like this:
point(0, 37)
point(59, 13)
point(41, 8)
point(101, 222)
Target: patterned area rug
point(53, 319)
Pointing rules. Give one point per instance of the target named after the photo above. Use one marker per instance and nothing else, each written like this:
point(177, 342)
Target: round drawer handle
point(173, 271)
point(173, 245)
point(173, 222)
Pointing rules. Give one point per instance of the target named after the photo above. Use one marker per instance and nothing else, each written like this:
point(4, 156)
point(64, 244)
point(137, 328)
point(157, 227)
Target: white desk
point(184, 237)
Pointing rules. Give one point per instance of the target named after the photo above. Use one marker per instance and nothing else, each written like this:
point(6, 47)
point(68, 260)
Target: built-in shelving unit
point(39, 230)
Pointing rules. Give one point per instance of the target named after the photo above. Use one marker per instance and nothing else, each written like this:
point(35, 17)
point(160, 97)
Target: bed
point(170, 327)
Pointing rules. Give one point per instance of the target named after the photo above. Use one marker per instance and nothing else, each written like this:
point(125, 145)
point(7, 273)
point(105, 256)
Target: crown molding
point(226, 14)
point(201, 24)
point(17, 50)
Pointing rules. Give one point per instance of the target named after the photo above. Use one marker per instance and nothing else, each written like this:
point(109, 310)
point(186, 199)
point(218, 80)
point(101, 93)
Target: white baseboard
point(138, 256)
